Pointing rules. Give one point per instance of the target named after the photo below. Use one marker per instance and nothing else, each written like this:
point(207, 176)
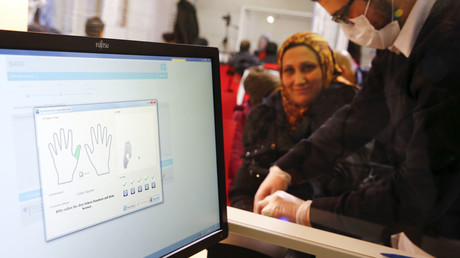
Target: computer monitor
point(110, 148)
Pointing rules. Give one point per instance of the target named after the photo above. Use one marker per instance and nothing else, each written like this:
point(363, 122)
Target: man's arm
point(427, 185)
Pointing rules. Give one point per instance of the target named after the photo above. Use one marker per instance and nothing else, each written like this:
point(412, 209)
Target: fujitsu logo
point(102, 45)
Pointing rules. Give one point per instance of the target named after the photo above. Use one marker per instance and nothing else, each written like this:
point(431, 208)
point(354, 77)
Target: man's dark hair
point(168, 37)
point(201, 42)
point(94, 26)
point(271, 48)
point(244, 46)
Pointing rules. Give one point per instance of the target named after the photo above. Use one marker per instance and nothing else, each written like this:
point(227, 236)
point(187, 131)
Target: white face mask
point(363, 32)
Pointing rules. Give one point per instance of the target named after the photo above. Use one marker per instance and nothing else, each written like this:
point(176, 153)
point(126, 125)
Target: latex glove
point(99, 152)
point(64, 158)
point(286, 206)
point(276, 180)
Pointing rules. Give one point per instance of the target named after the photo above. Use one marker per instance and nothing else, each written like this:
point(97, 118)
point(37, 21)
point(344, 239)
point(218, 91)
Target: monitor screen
point(110, 148)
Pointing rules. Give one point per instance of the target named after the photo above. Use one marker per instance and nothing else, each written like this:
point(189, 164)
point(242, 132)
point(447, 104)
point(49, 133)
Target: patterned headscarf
point(329, 69)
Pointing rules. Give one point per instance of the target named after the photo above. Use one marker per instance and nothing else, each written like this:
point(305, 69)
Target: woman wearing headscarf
point(312, 90)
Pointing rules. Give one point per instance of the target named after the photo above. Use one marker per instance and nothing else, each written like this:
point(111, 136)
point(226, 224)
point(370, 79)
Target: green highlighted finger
point(77, 152)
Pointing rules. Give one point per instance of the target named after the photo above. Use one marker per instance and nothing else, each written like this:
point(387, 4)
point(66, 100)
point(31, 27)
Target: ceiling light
point(270, 19)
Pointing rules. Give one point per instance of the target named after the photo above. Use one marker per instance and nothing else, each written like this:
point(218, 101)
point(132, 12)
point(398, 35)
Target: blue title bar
point(100, 55)
point(62, 76)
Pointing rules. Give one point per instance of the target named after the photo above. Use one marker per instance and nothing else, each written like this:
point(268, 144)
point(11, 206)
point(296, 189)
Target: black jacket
point(186, 28)
point(418, 100)
point(242, 60)
point(267, 137)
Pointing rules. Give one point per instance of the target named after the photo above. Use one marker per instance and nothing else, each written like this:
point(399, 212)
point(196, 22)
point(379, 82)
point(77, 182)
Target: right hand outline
point(99, 152)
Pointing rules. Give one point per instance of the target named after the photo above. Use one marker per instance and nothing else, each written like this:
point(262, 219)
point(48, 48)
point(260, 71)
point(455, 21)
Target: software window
point(97, 162)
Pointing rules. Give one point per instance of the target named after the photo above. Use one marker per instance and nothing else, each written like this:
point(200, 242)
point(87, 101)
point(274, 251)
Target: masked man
point(412, 92)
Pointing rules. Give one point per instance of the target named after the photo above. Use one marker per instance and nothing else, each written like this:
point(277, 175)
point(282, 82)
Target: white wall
point(148, 19)
point(124, 19)
point(212, 26)
point(330, 30)
point(145, 20)
point(253, 23)
point(13, 15)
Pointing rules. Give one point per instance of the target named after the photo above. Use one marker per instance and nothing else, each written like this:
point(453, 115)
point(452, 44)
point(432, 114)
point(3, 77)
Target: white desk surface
point(306, 239)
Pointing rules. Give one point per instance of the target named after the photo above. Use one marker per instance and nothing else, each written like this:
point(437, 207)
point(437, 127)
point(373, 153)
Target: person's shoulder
point(272, 100)
point(341, 88)
point(336, 94)
point(261, 117)
point(266, 108)
point(241, 111)
point(251, 57)
point(234, 59)
point(236, 55)
point(445, 13)
point(259, 109)
point(441, 28)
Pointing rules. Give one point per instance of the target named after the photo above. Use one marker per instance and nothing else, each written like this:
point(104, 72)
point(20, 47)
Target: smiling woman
point(301, 75)
point(306, 67)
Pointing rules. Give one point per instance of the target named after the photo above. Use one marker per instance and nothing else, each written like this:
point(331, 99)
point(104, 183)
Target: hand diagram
point(99, 152)
point(64, 159)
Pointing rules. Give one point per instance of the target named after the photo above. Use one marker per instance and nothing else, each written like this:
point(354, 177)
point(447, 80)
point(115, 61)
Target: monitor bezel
point(57, 42)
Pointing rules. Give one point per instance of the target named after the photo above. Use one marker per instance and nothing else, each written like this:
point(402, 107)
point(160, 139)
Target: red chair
point(229, 127)
point(225, 77)
point(229, 94)
point(271, 66)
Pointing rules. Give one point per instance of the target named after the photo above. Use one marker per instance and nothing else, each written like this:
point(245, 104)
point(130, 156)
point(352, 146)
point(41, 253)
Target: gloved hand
point(286, 206)
point(276, 180)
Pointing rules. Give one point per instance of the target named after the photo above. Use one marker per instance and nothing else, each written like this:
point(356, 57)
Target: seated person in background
point(201, 41)
point(271, 53)
point(35, 26)
point(94, 27)
point(168, 37)
point(312, 90)
point(258, 84)
point(261, 45)
point(243, 59)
